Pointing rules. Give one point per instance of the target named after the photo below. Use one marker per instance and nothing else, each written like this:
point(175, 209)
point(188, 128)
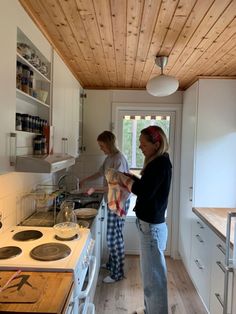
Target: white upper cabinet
point(208, 167)
point(15, 25)
point(66, 103)
point(189, 121)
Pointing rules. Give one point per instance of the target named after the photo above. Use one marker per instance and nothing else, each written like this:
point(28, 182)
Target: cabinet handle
point(190, 193)
point(71, 306)
point(200, 225)
point(12, 149)
point(221, 248)
point(219, 299)
point(64, 145)
point(198, 264)
point(199, 238)
point(222, 267)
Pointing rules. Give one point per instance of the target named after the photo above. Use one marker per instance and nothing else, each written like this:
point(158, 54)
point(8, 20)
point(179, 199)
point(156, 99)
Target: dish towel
point(119, 188)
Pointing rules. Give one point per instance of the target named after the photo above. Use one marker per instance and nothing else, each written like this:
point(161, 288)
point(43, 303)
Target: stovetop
point(26, 262)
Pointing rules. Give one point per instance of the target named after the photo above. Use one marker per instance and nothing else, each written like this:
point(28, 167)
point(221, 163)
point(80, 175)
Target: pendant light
point(162, 85)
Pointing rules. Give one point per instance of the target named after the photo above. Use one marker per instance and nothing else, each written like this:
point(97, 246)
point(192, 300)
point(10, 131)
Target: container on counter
point(19, 73)
point(38, 145)
point(25, 122)
point(31, 83)
point(18, 122)
point(25, 79)
point(43, 145)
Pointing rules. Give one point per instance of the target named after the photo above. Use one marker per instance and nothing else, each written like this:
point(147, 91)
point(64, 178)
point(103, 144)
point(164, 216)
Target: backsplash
point(12, 187)
point(87, 165)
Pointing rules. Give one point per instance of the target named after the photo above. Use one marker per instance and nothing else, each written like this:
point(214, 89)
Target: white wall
point(98, 110)
point(98, 117)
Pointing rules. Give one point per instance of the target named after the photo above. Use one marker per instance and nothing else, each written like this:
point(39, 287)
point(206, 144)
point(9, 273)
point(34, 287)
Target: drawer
point(200, 230)
point(201, 277)
point(218, 277)
point(201, 243)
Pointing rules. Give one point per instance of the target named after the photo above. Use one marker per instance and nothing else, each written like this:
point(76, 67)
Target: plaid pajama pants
point(115, 244)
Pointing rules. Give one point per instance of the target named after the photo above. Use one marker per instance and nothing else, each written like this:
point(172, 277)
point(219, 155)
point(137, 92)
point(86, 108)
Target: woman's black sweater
point(152, 190)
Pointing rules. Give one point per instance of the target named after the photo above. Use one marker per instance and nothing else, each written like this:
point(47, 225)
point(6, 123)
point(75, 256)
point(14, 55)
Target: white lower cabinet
point(201, 259)
point(208, 267)
point(97, 235)
point(218, 278)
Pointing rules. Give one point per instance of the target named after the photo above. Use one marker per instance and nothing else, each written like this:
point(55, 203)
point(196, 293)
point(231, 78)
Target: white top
point(116, 161)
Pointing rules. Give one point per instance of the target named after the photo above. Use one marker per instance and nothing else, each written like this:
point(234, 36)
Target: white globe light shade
point(162, 85)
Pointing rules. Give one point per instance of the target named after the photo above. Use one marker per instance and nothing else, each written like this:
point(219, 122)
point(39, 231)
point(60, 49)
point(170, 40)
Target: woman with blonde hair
point(152, 191)
point(115, 242)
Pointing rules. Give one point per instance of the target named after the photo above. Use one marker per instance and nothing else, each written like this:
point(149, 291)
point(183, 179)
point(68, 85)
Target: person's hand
point(128, 174)
point(90, 191)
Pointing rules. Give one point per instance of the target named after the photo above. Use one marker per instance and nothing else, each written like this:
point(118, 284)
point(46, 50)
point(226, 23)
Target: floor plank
point(127, 295)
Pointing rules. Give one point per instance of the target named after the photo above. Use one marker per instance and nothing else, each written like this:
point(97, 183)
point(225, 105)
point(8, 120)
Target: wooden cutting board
point(25, 288)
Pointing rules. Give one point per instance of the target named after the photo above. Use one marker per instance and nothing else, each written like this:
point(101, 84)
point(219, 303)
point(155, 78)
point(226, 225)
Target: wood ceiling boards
point(113, 43)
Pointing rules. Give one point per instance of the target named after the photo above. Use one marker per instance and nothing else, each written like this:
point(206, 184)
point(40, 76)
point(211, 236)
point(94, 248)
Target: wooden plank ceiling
point(113, 43)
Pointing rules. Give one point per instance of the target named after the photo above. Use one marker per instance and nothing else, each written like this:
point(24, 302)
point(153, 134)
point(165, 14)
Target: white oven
point(42, 251)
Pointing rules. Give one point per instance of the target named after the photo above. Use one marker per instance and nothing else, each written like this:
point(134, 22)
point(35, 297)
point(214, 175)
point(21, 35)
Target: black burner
point(67, 239)
point(9, 252)
point(27, 235)
point(50, 251)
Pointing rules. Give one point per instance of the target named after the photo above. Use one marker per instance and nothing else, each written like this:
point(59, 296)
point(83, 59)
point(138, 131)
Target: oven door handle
point(84, 293)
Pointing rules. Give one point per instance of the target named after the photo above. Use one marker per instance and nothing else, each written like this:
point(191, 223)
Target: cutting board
point(25, 288)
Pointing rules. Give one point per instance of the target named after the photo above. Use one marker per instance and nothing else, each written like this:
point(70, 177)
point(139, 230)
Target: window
point(131, 127)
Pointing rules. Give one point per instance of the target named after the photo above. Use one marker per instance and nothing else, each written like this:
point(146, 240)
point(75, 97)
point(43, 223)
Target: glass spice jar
point(18, 122)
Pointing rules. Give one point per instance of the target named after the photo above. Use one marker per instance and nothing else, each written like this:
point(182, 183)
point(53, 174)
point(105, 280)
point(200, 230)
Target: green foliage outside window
point(128, 135)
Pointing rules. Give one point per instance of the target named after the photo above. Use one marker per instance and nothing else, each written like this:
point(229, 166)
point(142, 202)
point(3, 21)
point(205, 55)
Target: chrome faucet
point(68, 182)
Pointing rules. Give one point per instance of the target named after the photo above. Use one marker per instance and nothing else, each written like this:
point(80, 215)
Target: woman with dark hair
point(152, 191)
point(115, 242)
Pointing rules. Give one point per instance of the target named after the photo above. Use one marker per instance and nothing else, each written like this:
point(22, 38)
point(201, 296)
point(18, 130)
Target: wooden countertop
point(216, 219)
point(41, 292)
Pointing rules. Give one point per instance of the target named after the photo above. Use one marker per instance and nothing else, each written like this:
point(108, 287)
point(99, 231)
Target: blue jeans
point(153, 239)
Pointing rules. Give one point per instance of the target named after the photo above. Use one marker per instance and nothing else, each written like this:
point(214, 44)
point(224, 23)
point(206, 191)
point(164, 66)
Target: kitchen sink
point(82, 200)
point(47, 218)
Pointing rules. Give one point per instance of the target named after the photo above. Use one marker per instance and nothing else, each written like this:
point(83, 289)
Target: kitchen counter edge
point(216, 219)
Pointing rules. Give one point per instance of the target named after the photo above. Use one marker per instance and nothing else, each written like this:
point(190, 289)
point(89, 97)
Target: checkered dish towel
point(119, 188)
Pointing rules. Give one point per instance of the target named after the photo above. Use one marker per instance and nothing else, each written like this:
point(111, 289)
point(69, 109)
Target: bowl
point(66, 230)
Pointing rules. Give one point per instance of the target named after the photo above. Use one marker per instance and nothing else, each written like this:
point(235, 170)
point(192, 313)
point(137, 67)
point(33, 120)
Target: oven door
point(85, 306)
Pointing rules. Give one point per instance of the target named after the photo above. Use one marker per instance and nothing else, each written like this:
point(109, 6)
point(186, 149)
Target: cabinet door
point(218, 278)
point(8, 86)
point(65, 119)
point(201, 259)
point(186, 183)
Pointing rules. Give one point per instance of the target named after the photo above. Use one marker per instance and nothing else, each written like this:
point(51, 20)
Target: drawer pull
point(221, 248)
point(200, 225)
point(219, 299)
point(199, 238)
point(198, 264)
point(222, 267)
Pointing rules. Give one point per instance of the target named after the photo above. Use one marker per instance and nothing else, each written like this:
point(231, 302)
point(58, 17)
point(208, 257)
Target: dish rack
point(39, 207)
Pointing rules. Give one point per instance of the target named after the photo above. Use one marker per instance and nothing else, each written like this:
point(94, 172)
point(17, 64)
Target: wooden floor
point(127, 295)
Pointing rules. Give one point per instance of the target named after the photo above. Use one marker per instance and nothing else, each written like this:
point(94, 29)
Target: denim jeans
point(153, 239)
